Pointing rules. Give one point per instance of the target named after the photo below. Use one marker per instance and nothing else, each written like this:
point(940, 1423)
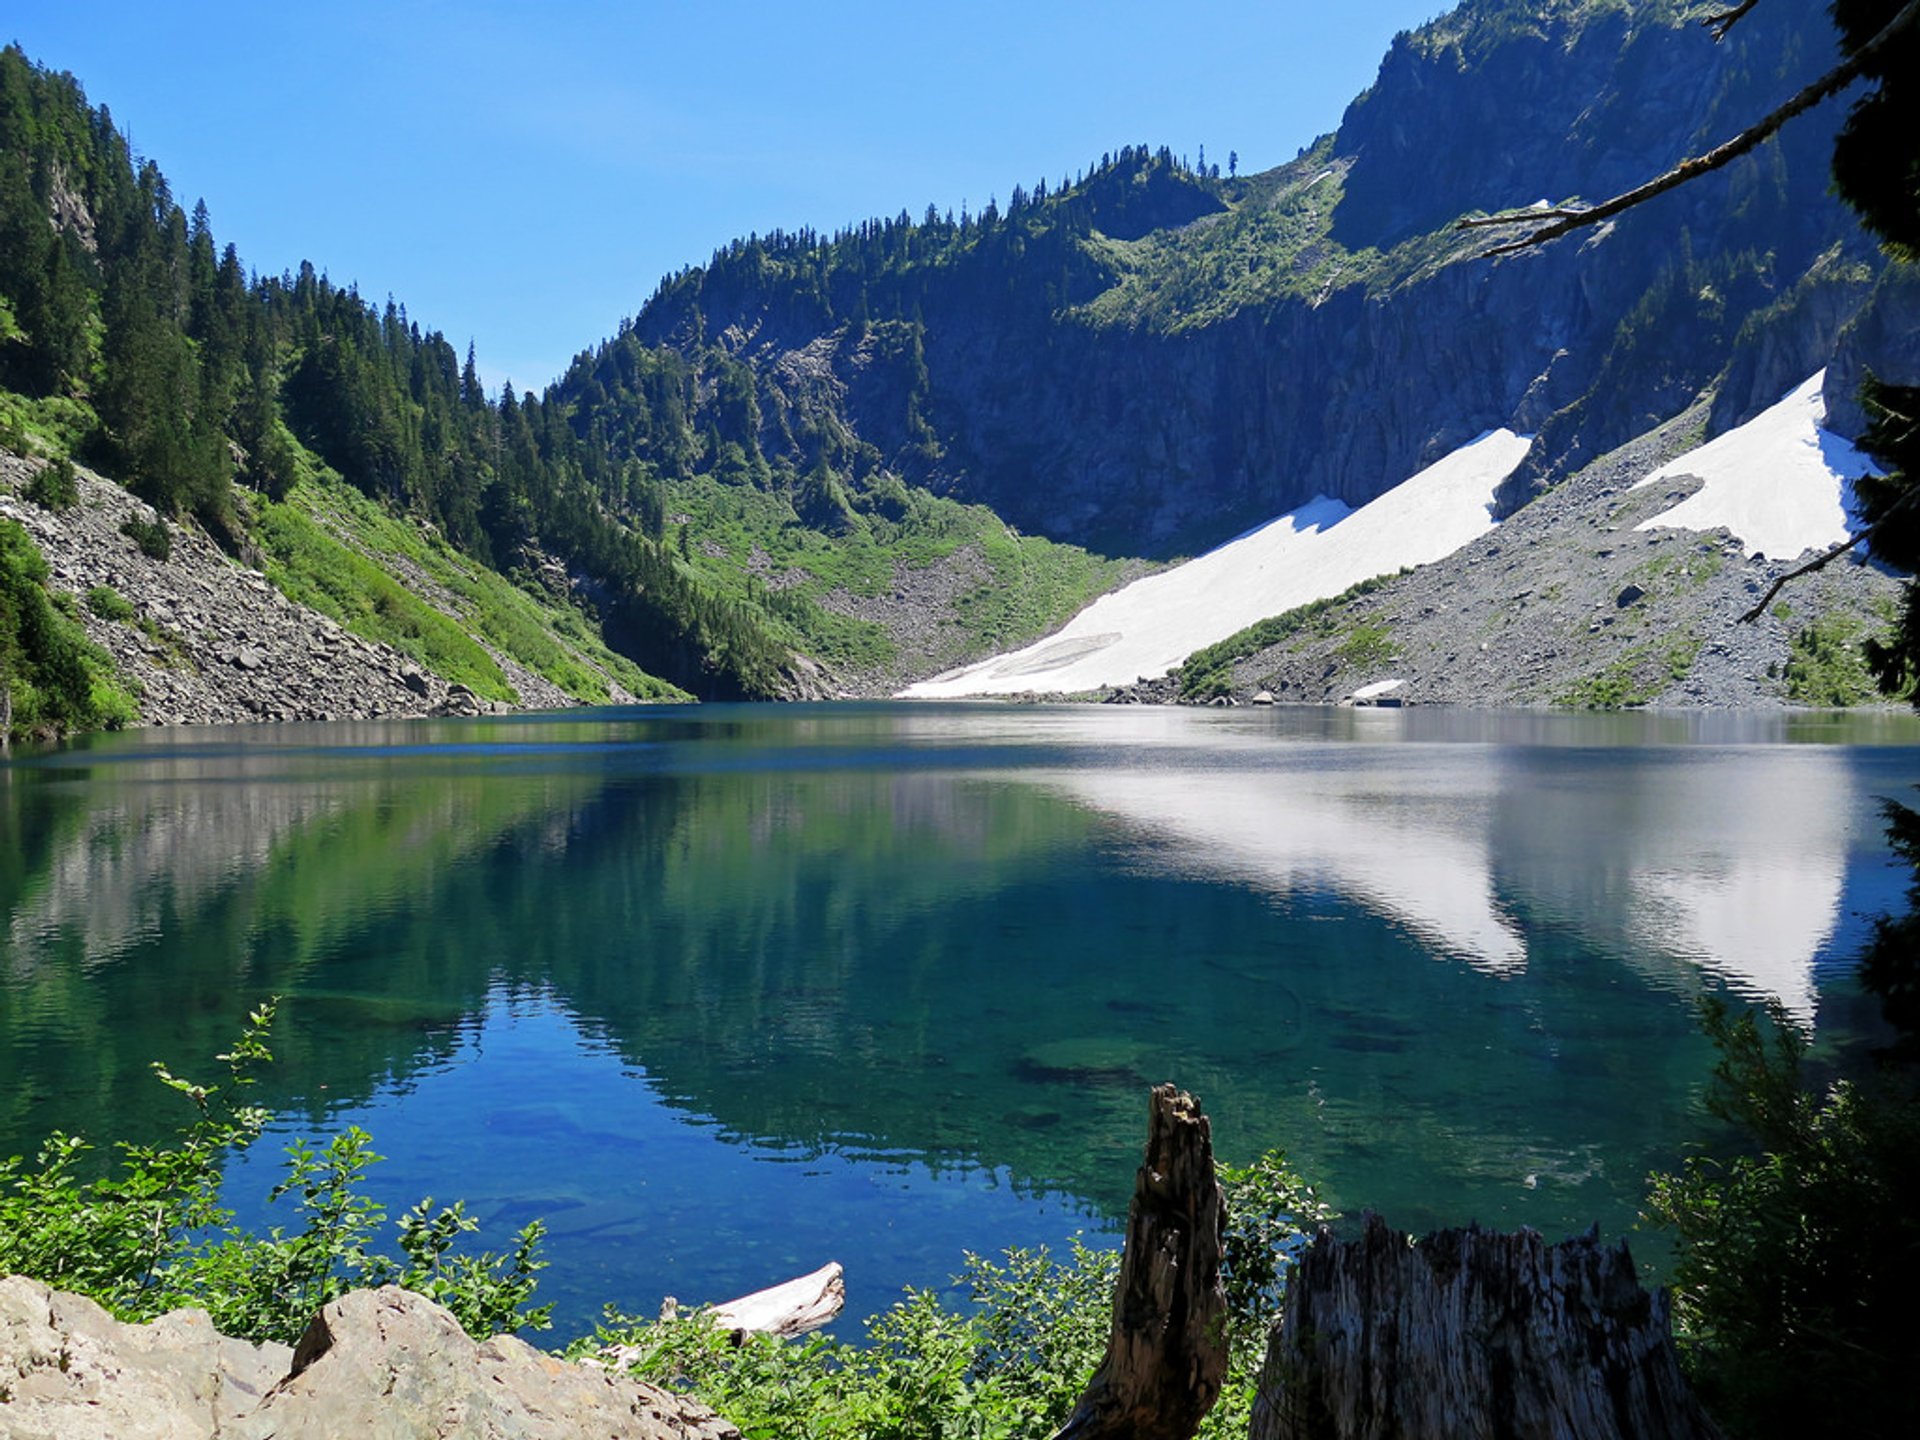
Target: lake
point(725, 992)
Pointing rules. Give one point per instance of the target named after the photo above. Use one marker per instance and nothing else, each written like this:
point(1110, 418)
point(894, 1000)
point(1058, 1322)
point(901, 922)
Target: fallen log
point(792, 1308)
point(1167, 1351)
point(1472, 1334)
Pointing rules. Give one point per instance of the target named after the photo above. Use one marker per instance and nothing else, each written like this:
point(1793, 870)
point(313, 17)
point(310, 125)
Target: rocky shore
point(203, 639)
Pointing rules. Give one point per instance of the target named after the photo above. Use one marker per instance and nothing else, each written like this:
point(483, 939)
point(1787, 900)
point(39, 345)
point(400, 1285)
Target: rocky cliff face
point(1151, 397)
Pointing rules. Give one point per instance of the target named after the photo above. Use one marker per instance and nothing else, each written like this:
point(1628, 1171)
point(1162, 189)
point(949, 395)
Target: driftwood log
point(1471, 1333)
point(1167, 1352)
point(791, 1308)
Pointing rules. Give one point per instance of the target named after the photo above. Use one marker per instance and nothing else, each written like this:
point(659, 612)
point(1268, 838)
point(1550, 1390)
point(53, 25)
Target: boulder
point(70, 1371)
point(375, 1364)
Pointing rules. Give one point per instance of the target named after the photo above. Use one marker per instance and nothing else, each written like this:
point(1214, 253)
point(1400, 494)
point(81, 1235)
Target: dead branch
point(1561, 221)
point(1819, 563)
point(1721, 21)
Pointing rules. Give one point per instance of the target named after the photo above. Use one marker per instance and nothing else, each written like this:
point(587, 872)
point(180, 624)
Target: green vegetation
point(1367, 645)
point(1827, 663)
point(151, 536)
point(109, 604)
point(1010, 1363)
point(55, 486)
point(152, 1236)
point(1798, 1247)
point(1209, 670)
point(1635, 678)
point(52, 680)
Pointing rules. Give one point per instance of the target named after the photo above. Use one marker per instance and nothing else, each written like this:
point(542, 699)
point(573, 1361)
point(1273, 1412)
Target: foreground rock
point(374, 1364)
point(1471, 1333)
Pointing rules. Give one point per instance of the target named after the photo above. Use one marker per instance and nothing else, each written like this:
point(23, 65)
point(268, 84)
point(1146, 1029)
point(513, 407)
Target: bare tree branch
point(1820, 562)
point(1561, 221)
point(1721, 21)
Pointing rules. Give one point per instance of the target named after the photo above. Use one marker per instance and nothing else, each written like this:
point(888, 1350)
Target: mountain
point(826, 464)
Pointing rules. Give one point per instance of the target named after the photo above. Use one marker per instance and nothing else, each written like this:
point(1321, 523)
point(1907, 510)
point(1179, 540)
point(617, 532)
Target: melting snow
point(1308, 554)
point(1780, 482)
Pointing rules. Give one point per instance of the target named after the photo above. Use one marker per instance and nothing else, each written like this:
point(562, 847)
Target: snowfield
point(1317, 551)
point(1780, 482)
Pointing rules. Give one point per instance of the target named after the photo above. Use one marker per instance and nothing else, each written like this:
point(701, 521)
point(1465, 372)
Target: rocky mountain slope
point(200, 638)
point(1151, 359)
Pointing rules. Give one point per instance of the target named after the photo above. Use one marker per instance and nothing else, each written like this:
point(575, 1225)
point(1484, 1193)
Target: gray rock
point(389, 1363)
point(70, 1371)
point(376, 1364)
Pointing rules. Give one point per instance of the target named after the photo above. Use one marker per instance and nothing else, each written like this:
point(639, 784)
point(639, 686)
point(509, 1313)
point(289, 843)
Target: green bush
point(109, 604)
point(55, 486)
point(152, 536)
point(52, 681)
point(153, 1236)
point(1798, 1246)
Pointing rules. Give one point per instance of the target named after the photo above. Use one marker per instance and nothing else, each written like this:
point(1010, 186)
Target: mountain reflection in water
point(726, 990)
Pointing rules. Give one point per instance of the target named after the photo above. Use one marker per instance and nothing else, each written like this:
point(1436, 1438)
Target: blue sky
point(523, 175)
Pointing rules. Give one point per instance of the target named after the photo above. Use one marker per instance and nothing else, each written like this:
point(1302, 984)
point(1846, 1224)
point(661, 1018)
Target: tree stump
point(1167, 1352)
point(1471, 1333)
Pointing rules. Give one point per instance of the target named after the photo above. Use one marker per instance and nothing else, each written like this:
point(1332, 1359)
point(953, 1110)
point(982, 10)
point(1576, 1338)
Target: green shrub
point(55, 486)
point(1798, 1245)
point(153, 1236)
point(109, 604)
point(152, 536)
point(52, 680)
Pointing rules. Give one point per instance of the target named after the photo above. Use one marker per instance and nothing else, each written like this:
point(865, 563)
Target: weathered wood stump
point(1167, 1353)
point(1471, 1333)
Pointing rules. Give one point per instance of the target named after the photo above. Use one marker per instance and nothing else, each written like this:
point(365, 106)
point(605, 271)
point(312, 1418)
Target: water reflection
point(1444, 959)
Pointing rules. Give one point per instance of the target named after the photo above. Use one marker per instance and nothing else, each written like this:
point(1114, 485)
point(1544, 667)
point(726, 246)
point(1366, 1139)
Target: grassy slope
point(331, 548)
point(1033, 585)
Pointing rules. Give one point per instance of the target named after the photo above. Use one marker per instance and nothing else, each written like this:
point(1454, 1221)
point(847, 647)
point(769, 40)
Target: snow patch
point(1378, 688)
point(1311, 553)
point(1780, 482)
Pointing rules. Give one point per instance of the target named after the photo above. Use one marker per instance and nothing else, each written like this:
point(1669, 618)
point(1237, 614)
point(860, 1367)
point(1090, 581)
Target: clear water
point(724, 993)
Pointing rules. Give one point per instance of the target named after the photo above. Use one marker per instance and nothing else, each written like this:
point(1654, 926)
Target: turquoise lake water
point(723, 993)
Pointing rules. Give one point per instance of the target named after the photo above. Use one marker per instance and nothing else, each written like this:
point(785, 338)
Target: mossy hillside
point(752, 545)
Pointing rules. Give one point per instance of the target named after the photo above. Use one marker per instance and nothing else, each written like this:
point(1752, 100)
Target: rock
point(387, 1362)
point(70, 1371)
point(416, 682)
point(1263, 697)
point(374, 1364)
point(248, 658)
point(1628, 594)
